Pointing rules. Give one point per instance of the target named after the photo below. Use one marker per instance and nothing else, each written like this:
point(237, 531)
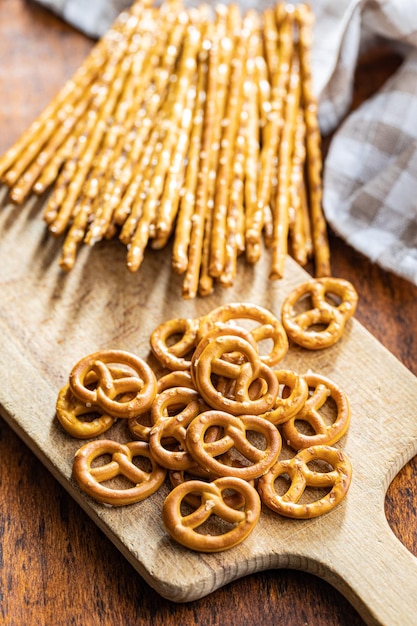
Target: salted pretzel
point(333, 302)
point(235, 430)
point(267, 326)
point(184, 528)
point(221, 330)
point(91, 479)
point(186, 405)
point(72, 413)
point(177, 477)
point(122, 397)
point(210, 362)
point(175, 355)
point(325, 432)
point(301, 477)
point(82, 420)
point(290, 399)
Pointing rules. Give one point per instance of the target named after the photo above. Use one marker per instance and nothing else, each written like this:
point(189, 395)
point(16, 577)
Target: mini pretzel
point(70, 410)
point(324, 433)
point(333, 316)
point(73, 414)
point(235, 430)
point(221, 330)
point(175, 356)
point(182, 527)
point(91, 479)
point(290, 399)
point(209, 362)
point(187, 405)
point(268, 326)
point(141, 425)
point(301, 476)
point(177, 477)
point(110, 393)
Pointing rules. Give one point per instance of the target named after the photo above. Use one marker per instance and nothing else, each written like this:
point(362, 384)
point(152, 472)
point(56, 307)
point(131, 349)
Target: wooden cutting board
point(49, 320)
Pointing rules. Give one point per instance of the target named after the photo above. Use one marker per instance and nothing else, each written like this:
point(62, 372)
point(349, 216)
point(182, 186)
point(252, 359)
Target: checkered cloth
point(370, 173)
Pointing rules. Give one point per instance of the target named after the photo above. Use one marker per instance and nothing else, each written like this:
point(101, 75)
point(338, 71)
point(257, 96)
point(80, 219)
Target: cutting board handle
point(378, 575)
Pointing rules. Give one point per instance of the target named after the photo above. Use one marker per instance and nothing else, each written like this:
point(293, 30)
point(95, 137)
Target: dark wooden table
point(56, 567)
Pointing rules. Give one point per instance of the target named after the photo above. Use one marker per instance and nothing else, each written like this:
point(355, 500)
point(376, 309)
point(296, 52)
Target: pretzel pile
point(190, 128)
point(225, 421)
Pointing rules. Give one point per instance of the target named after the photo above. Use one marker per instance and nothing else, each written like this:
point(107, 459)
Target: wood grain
point(55, 562)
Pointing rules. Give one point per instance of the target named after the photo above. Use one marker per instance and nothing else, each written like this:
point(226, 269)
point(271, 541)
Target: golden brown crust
point(182, 527)
point(337, 480)
point(91, 479)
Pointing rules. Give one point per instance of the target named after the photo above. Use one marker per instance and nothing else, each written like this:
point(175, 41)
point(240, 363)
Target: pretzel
point(290, 399)
point(177, 355)
point(332, 316)
point(121, 397)
point(268, 326)
point(210, 362)
point(221, 330)
point(186, 404)
point(235, 430)
point(177, 477)
point(70, 411)
point(182, 527)
point(91, 479)
point(141, 425)
point(301, 476)
point(325, 433)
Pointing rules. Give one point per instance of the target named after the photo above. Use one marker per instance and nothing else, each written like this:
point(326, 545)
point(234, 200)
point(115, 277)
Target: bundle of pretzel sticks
point(195, 127)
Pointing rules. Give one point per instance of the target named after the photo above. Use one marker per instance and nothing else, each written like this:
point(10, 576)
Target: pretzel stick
point(59, 215)
point(281, 221)
point(225, 21)
point(306, 221)
point(235, 209)
point(123, 154)
point(304, 19)
point(185, 75)
point(186, 207)
point(89, 200)
point(134, 197)
point(297, 226)
point(192, 273)
point(92, 145)
point(138, 154)
point(50, 171)
point(105, 164)
point(24, 184)
point(169, 202)
point(28, 145)
point(270, 139)
point(252, 105)
point(263, 84)
point(230, 126)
